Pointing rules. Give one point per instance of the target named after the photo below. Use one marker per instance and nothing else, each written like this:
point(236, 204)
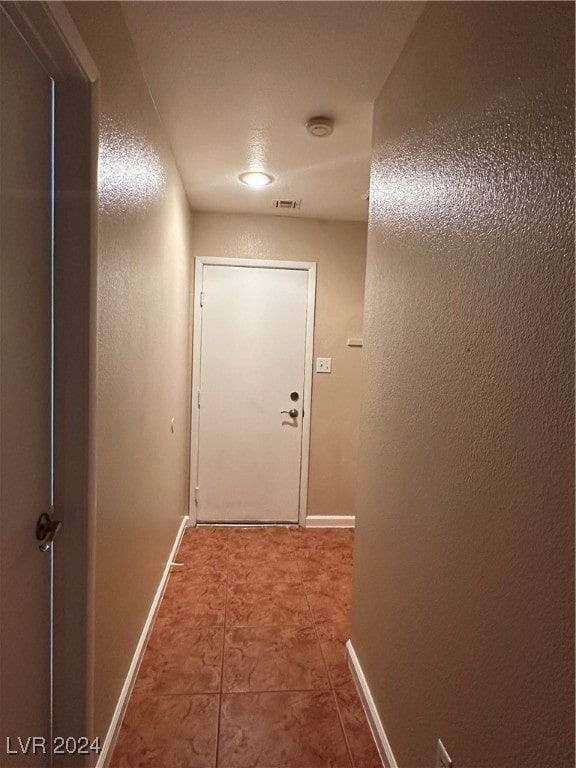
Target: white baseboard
point(330, 521)
point(384, 748)
point(110, 740)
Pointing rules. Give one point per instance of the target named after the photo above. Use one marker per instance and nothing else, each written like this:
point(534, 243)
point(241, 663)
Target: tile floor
point(245, 666)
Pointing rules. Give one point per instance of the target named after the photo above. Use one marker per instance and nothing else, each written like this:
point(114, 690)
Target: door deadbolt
point(294, 396)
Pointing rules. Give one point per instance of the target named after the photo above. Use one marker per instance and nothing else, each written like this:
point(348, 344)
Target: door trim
point(50, 32)
point(308, 266)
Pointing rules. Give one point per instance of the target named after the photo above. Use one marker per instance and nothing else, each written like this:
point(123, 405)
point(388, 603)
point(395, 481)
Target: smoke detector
point(320, 127)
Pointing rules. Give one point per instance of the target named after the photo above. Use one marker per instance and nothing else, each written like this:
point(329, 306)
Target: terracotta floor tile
point(203, 573)
point(339, 631)
point(199, 552)
point(333, 639)
point(329, 608)
point(193, 603)
point(181, 660)
point(168, 732)
point(279, 599)
point(263, 604)
point(360, 740)
point(273, 659)
point(323, 538)
point(329, 601)
point(263, 546)
point(207, 538)
point(243, 566)
point(338, 589)
point(202, 564)
point(318, 569)
point(281, 730)
point(328, 559)
point(252, 543)
point(274, 535)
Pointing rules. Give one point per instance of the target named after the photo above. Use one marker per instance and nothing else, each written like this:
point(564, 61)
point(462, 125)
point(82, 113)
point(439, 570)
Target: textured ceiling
point(235, 82)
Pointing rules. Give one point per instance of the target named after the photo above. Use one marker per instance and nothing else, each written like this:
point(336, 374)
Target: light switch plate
point(323, 365)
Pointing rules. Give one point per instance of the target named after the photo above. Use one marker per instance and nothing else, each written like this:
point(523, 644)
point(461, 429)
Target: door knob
point(46, 530)
point(293, 412)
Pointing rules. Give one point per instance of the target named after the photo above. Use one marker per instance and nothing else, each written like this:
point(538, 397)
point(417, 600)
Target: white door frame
point(308, 266)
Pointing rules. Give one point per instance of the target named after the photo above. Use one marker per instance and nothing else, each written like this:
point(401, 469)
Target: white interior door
point(25, 401)
point(253, 353)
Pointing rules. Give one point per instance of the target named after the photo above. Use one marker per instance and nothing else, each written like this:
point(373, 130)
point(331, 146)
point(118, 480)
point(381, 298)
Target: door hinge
point(198, 398)
point(196, 495)
point(201, 298)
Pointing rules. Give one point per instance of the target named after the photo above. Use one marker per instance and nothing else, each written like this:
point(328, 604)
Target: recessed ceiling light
point(256, 178)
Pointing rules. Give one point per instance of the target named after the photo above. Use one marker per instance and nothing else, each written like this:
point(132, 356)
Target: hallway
point(246, 662)
point(417, 159)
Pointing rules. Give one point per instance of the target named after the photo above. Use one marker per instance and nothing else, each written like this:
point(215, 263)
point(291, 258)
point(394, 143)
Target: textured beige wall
point(463, 588)
point(143, 353)
point(339, 248)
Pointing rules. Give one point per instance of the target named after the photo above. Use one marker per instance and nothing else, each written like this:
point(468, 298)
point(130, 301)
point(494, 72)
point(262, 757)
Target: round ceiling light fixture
point(256, 178)
point(320, 127)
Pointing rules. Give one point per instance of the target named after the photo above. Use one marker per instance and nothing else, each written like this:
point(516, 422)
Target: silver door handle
point(46, 530)
point(293, 412)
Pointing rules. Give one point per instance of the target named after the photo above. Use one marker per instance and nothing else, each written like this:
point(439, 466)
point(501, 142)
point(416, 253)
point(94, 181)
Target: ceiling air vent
point(287, 205)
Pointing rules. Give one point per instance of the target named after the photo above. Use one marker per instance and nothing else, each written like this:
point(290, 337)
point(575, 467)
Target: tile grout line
point(274, 690)
point(331, 685)
point(295, 555)
point(229, 538)
point(220, 694)
point(341, 721)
